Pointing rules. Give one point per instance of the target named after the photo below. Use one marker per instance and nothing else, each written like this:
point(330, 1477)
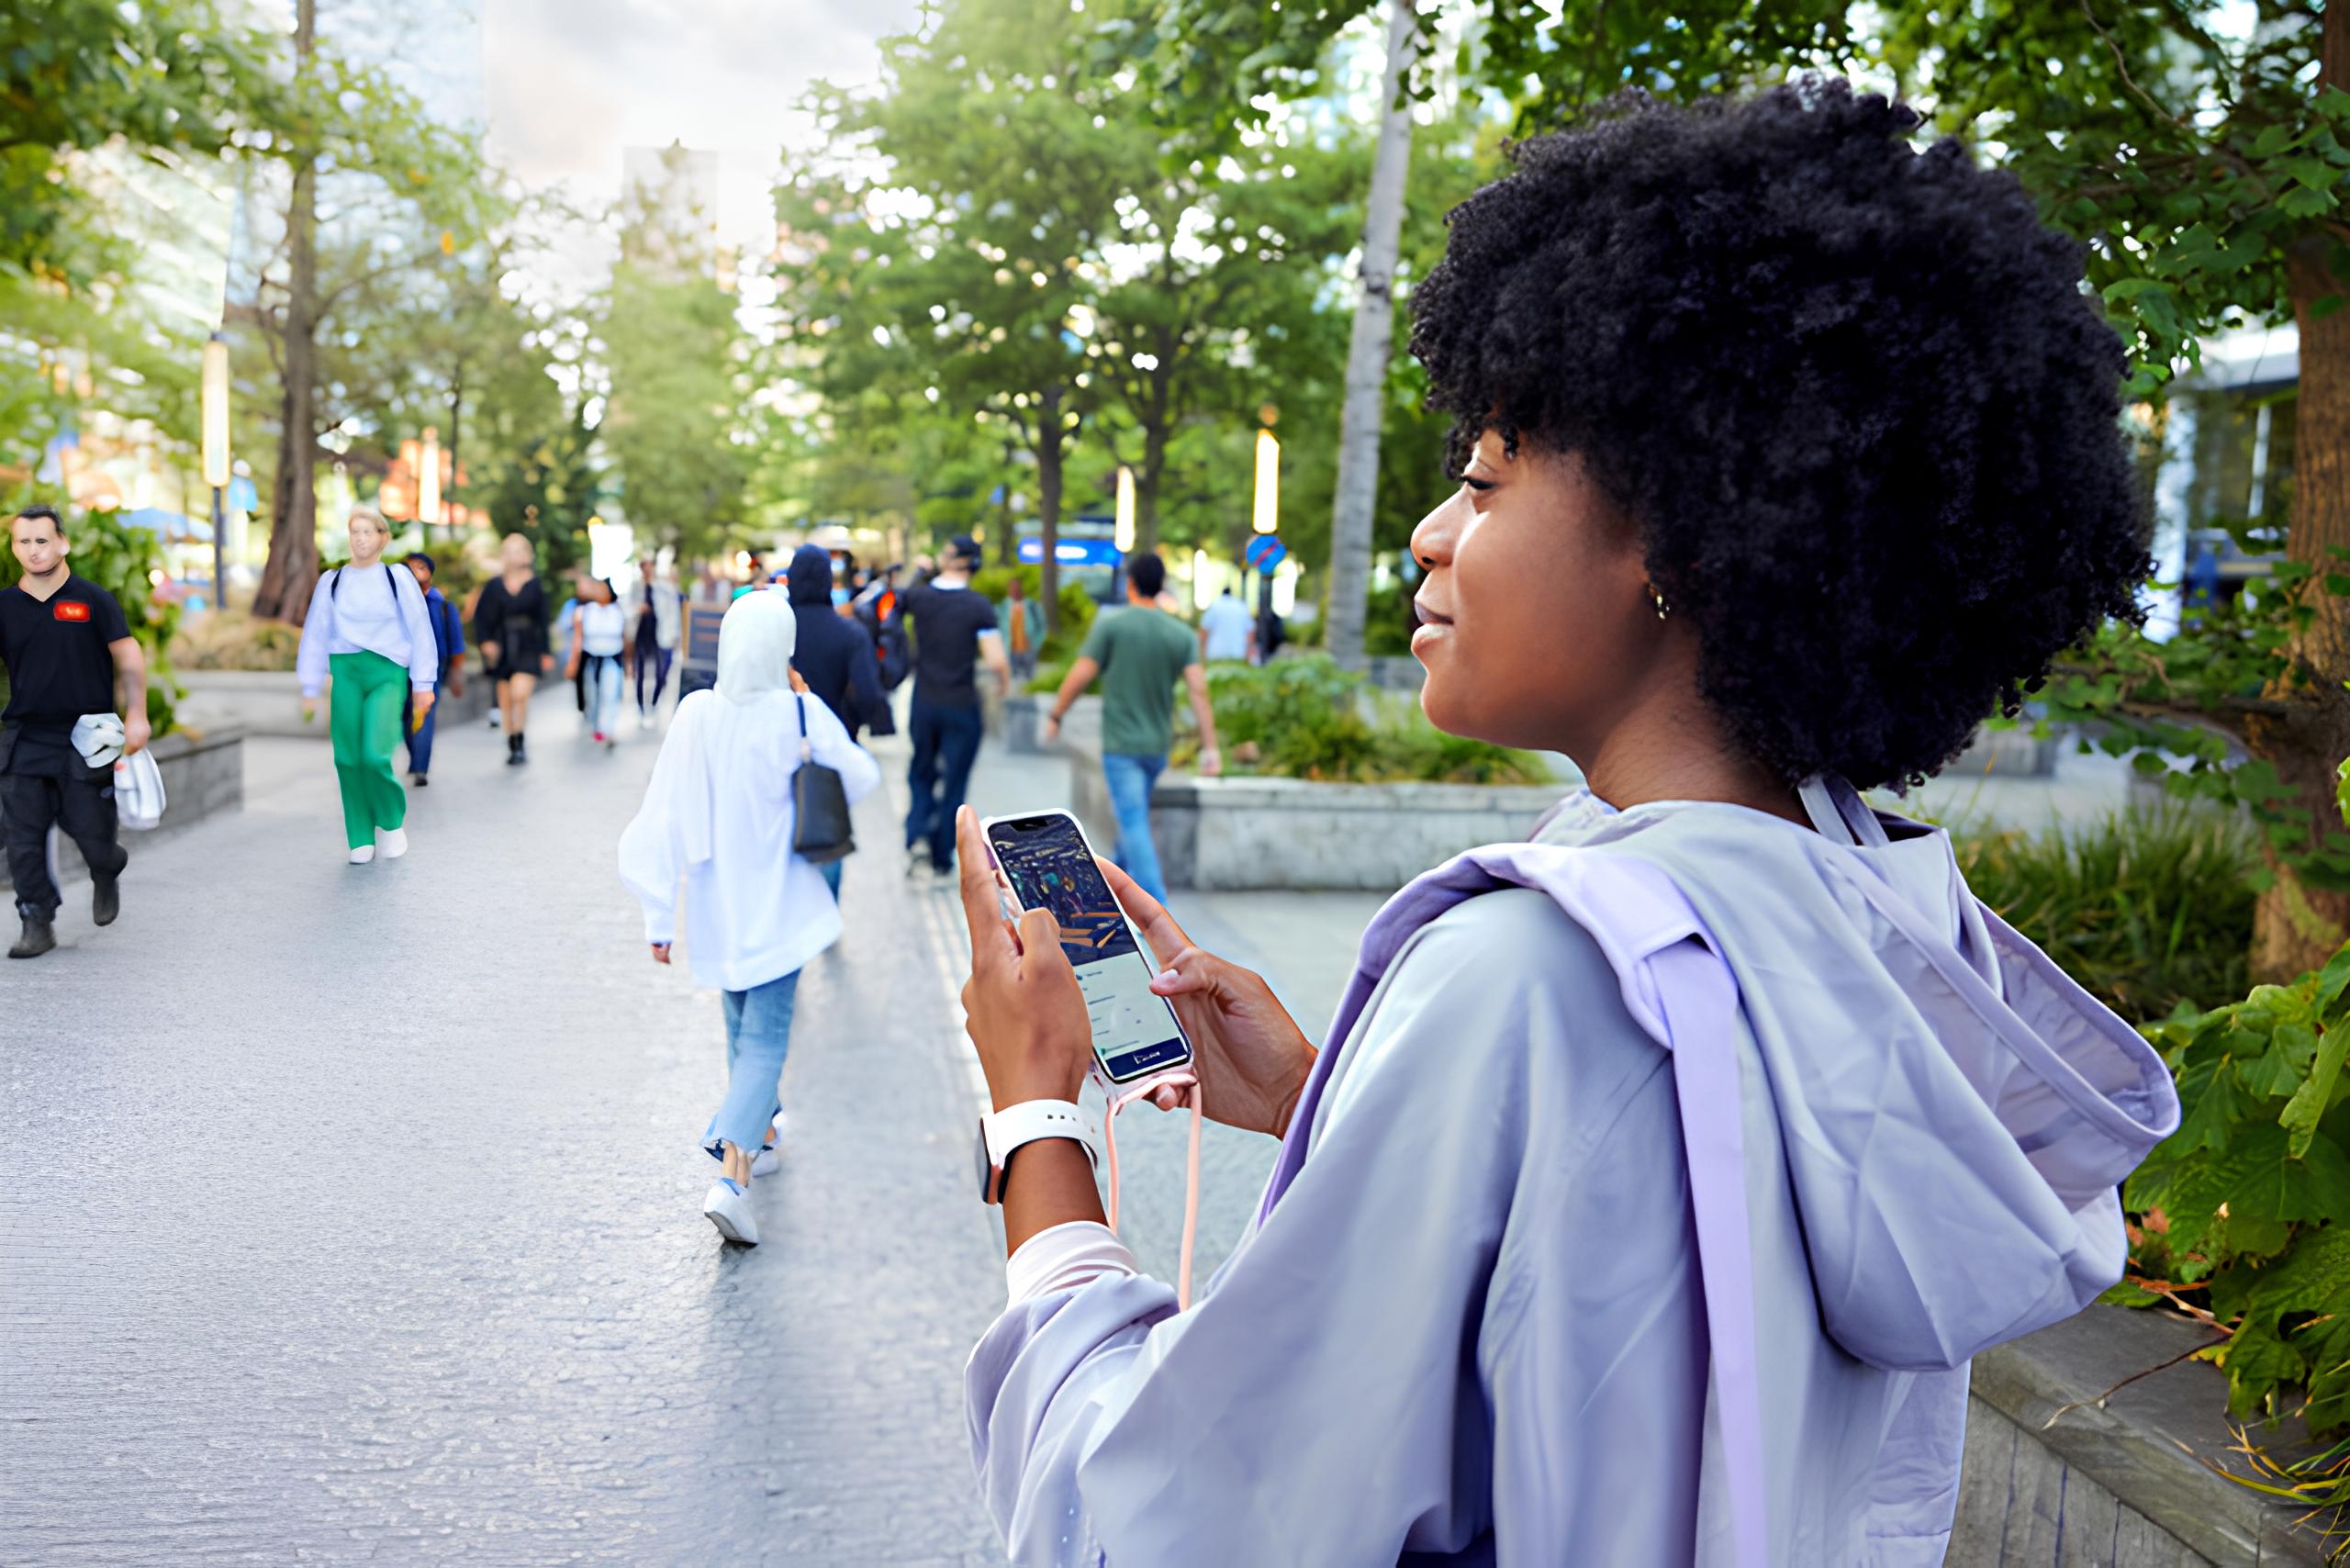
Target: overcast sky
point(570, 83)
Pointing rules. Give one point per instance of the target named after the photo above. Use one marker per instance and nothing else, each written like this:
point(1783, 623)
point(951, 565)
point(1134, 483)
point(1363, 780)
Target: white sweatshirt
point(372, 609)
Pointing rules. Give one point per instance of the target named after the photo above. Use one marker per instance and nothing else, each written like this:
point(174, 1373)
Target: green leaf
point(2279, 1071)
point(2310, 1101)
point(2301, 202)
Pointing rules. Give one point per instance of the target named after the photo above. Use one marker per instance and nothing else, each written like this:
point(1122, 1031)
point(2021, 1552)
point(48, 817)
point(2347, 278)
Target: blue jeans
point(943, 739)
point(832, 870)
point(1130, 779)
point(758, 1034)
point(419, 737)
point(604, 683)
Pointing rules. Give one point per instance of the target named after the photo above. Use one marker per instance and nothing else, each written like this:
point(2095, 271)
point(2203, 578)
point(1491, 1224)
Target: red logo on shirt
point(71, 610)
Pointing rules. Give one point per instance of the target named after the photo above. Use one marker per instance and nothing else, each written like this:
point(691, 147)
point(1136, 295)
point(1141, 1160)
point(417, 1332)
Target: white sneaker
point(644, 722)
point(730, 1211)
point(363, 854)
point(769, 1159)
point(394, 842)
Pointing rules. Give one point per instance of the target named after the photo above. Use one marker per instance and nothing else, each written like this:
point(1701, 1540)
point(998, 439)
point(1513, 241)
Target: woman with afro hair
point(1658, 1176)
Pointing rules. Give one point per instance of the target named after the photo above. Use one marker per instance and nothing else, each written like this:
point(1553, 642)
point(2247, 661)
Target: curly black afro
point(1851, 393)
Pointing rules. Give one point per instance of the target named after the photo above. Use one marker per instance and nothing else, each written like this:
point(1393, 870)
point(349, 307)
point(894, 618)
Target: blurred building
point(2223, 471)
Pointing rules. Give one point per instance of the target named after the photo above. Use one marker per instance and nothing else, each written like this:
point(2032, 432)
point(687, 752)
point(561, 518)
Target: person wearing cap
point(953, 627)
point(449, 636)
point(65, 644)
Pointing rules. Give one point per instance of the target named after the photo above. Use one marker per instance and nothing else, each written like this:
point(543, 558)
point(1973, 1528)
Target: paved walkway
point(352, 1214)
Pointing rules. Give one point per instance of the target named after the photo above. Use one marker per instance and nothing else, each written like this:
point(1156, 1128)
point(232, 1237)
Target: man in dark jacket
point(834, 656)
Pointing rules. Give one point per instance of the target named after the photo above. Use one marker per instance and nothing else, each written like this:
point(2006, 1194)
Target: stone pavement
point(350, 1215)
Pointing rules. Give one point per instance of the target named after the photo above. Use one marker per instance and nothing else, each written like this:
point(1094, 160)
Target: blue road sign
point(1266, 553)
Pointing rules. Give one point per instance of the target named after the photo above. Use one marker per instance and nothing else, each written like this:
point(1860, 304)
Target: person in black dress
point(510, 626)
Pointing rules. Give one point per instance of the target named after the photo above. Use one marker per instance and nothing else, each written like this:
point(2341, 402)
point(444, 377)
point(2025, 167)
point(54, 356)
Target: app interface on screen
point(1051, 869)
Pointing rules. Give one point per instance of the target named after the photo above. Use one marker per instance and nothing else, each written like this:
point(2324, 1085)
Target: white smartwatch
point(1027, 1122)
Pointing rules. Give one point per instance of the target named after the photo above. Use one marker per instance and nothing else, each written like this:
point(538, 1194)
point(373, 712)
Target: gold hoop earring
point(1662, 610)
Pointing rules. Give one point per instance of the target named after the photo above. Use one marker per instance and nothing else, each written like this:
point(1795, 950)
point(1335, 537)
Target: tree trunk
point(293, 567)
point(1157, 431)
point(1146, 482)
point(2298, 927)
point(1357, 491)
point(1049, 437)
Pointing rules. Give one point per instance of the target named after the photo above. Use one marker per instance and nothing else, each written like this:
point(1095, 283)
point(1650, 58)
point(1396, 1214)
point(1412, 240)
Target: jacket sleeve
point(318, 630)
point(1320, 1405)
point(672, 831)
point(488, 611)
point(865, 694)
point(828, 742)
point(423, 642)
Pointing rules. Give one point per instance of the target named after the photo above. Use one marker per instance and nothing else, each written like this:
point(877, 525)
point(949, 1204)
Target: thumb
point(1189, 972)
point(1040, 943)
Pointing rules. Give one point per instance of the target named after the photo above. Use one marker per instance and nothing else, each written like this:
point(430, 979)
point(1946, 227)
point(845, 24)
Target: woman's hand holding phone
point(1022, 1005)
point(1252, 1058)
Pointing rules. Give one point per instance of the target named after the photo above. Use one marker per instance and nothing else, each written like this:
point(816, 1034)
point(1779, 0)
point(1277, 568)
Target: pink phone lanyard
point(1182, 1079)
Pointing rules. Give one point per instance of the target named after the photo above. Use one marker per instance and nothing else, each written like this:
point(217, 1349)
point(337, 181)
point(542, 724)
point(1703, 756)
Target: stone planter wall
point(269, 702)
point(2057, 1475)
point(1236, 834)
point(203, 775)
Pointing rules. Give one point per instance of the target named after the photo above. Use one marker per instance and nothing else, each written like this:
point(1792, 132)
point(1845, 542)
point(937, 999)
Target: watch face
point(987, 1166)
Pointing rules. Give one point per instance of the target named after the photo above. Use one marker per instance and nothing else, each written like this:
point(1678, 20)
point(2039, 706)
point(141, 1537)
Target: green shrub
point(1388, 622)
point(119, 558)
point(1078, 607)
point(2150, 909)
point(233, 640)
point(1304, 718)
point(2245, 1210)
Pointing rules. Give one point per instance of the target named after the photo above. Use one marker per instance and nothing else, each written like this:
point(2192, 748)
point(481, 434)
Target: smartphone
point(1045, 856)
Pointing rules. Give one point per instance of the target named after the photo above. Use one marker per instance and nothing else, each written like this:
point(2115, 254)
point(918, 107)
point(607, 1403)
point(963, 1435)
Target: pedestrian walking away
point(1140, 653)
point(1659, 1174)
point(954, 628)
point(599, 648)
point(1226, 630)
point(369, 629)
point(66, 647)
point(656, 621)
point(1020, 623)
point(718, 815)
point(834, 656)
point(449, 637)
point(510, 625)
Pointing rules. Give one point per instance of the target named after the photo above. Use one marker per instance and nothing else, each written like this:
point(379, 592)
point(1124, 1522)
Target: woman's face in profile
point(1536, 628)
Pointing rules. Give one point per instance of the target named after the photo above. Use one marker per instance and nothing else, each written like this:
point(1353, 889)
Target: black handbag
point(820, 824)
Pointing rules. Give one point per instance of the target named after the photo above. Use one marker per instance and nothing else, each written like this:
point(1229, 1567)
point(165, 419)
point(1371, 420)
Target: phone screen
point(1045, 860)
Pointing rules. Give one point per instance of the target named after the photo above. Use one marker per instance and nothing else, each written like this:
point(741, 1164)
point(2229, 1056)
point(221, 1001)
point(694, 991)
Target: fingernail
point(1169, 977)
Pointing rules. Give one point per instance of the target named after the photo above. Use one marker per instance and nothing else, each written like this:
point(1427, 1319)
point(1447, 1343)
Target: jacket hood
point(1955, 1111)
point(809, 578)
point(756, 640)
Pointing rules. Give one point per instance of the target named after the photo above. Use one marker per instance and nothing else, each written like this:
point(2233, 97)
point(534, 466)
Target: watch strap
point(1004, 1131)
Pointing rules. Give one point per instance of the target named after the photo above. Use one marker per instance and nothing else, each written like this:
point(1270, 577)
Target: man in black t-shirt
point(953, 626)
point(64, 641)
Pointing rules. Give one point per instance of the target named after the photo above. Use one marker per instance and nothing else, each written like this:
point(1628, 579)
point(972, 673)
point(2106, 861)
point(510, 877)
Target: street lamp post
point(215, 457)
point(428, 484)
point(1124, 536)
point(1267, 517)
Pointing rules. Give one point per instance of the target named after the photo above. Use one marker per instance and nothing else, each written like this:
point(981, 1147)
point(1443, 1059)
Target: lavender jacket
point(1657, 1181)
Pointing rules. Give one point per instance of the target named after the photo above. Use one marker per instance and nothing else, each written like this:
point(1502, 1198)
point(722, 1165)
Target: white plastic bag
point(138, 792)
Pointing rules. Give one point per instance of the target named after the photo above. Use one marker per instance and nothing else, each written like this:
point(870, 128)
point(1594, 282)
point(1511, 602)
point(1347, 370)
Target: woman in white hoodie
point(718, 814)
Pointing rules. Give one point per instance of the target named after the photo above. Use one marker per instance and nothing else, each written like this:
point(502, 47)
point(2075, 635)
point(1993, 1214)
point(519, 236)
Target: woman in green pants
point(368, 628)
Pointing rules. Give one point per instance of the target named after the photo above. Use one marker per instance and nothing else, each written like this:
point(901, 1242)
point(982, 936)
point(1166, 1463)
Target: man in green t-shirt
point(1140, 653)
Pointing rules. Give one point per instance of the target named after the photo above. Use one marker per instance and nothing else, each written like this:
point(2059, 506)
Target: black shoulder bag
point(820, 824)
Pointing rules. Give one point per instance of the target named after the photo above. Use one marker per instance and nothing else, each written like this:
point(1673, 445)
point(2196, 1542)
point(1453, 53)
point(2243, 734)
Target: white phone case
point(1005, 892)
